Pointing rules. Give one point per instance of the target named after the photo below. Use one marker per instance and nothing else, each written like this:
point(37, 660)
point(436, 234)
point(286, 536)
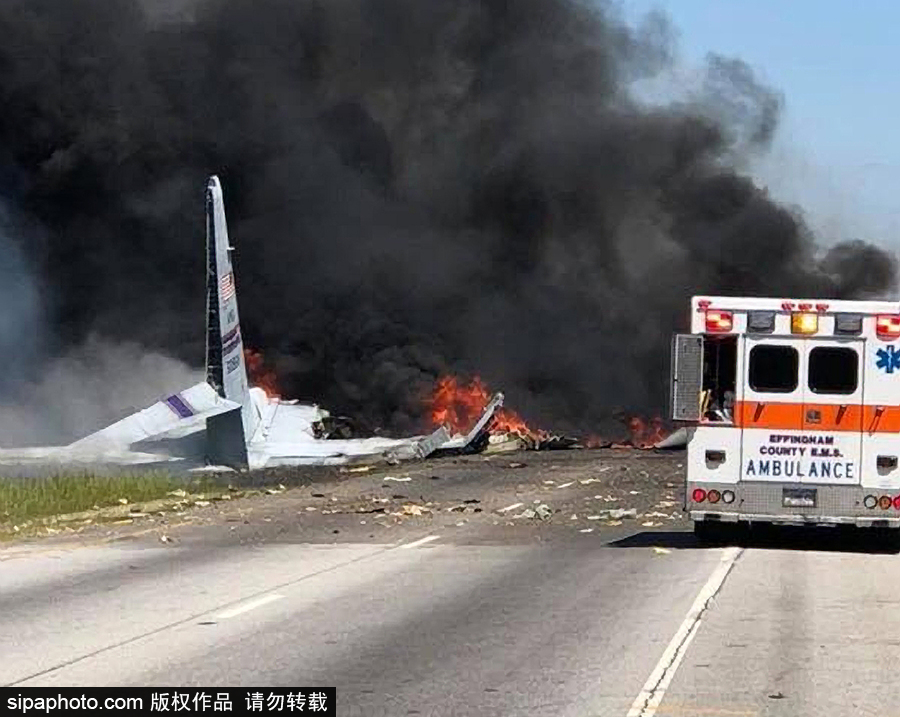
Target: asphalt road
point(442, 610)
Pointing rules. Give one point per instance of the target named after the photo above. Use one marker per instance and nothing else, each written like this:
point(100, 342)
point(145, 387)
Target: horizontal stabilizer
point(176, 416)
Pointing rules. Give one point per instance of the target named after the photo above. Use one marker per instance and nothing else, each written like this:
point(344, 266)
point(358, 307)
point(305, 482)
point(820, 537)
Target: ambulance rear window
point(833, 369)
point(773, 369)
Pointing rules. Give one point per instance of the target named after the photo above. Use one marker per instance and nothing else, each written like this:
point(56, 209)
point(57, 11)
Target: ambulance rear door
point(833, 411)
point(771, 410)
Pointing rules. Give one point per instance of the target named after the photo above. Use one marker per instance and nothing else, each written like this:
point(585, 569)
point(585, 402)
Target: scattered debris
point(334, 427)
point(503, 443)
point(517, 465)
point(586, 530)
point(510, 507)
point(617, 513)
point(566, 485)
point(404, 479)
point(413, 509)
point(356, 469)
point(676, 440)
point(661, 551)
point(542, 512)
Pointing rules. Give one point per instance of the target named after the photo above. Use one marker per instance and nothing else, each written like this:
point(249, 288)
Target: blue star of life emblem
point(888, 359)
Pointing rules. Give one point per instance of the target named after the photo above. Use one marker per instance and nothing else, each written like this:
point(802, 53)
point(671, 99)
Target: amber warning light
point(804, 322)
point(718, 321)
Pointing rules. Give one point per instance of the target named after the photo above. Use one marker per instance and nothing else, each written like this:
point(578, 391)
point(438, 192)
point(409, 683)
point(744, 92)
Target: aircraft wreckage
point(222, 421)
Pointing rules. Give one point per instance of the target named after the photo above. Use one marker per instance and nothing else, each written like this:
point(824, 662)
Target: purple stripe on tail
point(181, 407)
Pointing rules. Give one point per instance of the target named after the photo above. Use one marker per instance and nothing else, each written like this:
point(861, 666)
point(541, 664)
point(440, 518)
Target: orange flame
point(458, 406)
point(259, 375)
point(646, 434)
point(642, 433)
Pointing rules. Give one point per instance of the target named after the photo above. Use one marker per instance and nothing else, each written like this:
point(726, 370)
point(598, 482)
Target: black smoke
point(414, 188)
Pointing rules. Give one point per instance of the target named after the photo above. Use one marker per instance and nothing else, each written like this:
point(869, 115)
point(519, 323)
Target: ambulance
point(792, 412)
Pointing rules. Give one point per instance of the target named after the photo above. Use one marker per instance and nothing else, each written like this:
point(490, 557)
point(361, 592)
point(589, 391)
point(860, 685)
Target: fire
point(458, 406)
point(641, 433)
point(646, 434)
point(259, 374)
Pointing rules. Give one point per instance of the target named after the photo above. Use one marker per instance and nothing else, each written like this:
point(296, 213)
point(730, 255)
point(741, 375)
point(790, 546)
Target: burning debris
point(456, 404)
point(260, 374)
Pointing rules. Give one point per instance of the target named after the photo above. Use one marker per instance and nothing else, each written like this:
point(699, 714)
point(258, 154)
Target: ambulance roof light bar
point(719, 322)
point(887, 326)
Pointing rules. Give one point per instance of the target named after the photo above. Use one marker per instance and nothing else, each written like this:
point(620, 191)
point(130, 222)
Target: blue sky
point(837, 152)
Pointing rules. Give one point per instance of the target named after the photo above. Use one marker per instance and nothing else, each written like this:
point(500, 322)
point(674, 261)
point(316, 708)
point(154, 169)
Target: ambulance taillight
point(718, 322)
point(887, 326)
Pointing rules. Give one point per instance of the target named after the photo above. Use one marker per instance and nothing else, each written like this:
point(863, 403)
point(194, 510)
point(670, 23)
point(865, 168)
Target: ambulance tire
point(711, 532)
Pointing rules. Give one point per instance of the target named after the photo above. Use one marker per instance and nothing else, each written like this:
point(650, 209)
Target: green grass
point(23, 499)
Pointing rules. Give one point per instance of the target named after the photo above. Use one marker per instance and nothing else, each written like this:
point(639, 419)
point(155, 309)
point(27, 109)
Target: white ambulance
point(792, 409)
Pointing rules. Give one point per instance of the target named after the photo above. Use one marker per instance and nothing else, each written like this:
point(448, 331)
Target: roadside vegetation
point(37, 497)
point(25, 499)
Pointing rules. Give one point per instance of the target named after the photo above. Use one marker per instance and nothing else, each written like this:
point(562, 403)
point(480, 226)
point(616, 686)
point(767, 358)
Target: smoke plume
point(414, 188)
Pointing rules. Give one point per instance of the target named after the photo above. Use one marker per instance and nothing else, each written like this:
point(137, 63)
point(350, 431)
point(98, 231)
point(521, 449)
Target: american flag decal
point(226, 286)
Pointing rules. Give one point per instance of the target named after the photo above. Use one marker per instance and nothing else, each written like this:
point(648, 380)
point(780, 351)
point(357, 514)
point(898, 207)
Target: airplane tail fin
point(226, 370)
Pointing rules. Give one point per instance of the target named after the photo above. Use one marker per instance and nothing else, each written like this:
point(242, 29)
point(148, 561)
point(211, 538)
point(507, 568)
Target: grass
point(24, 499)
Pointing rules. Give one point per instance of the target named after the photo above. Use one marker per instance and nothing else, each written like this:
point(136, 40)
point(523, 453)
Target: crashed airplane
point(223, 421)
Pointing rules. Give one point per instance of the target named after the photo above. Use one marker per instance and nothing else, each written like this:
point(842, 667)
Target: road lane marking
point(510, 507)
point(719, 711)
point(421, 541)
point(247, 607)
point(648, 700)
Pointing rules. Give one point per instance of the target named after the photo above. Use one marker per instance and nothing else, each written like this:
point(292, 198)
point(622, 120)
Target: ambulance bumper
point(796, 504)
point(818, 520)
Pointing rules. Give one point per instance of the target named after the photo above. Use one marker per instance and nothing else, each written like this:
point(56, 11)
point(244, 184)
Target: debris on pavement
point(541, 512)
point(510, 507)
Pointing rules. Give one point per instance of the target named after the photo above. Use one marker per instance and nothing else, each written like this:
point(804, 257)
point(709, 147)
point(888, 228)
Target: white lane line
point(247, 607)
point(420, 541)
point(649, 698)
point(511, 507)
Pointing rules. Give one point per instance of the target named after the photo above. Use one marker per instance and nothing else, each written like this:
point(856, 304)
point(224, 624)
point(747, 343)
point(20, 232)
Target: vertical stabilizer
point(226, 371)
